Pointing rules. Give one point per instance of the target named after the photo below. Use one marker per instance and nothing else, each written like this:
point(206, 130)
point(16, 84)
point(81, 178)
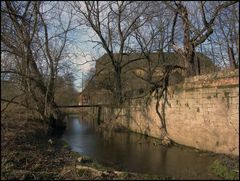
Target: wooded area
point(40, 61)
point(35, 41)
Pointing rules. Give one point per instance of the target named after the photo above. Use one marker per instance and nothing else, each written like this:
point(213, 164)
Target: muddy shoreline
point(27, 153)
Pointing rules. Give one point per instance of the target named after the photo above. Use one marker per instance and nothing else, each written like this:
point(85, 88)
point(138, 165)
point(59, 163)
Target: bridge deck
point(72, 106)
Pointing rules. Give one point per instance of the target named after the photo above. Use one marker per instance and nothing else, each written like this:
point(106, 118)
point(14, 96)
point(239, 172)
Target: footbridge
point(98, 106)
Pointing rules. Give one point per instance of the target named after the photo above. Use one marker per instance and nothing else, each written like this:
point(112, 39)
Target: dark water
point(137, 153)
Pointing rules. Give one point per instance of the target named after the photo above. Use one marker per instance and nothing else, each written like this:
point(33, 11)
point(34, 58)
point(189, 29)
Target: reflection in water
point(136, 153)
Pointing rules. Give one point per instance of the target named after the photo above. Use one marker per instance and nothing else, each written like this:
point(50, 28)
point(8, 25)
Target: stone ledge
point(216, 80)
point(213, 76)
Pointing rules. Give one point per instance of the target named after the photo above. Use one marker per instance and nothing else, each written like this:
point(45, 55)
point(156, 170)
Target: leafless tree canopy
point(35, 39)
point(33, 42)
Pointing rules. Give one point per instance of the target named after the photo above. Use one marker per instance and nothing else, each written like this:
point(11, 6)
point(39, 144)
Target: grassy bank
point(226, 168)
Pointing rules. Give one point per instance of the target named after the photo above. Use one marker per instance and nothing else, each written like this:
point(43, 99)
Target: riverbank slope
point(27, 153)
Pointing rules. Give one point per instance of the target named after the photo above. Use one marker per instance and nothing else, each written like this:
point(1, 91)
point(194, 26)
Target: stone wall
point(203, 112)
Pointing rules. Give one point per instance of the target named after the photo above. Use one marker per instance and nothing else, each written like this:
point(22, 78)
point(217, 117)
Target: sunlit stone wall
point(203, 112)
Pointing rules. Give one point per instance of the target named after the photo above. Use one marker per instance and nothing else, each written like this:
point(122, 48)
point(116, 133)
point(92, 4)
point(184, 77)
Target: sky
point(85, 51)
point(85, 54)
point(80, 50)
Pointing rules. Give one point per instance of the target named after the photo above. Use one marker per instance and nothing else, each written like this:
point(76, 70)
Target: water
point(137, 153)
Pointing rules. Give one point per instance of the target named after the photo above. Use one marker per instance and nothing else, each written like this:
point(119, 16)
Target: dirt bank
point(27, 153)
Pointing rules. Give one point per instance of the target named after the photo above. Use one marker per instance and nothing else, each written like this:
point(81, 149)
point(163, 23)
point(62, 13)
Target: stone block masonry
point(207, 115)
point(203, 112)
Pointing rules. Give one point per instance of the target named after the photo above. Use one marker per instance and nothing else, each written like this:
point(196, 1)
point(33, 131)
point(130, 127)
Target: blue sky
point(80, 48)
point(85, 53)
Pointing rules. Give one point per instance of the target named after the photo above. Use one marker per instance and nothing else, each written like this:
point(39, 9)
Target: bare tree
point(227, 34)
point(193, 37)
point(37, 49)
point(152, 39)
point(113, 23)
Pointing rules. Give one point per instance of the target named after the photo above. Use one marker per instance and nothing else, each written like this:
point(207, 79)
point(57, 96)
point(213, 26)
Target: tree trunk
point(190, 64)
point(233, 64)
point(198, 67)
point(118, 84)
point(53, 115)
point(56, 120)
point(189, 49)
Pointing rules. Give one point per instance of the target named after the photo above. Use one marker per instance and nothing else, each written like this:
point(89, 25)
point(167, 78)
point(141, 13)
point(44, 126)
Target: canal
point(134, 152)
